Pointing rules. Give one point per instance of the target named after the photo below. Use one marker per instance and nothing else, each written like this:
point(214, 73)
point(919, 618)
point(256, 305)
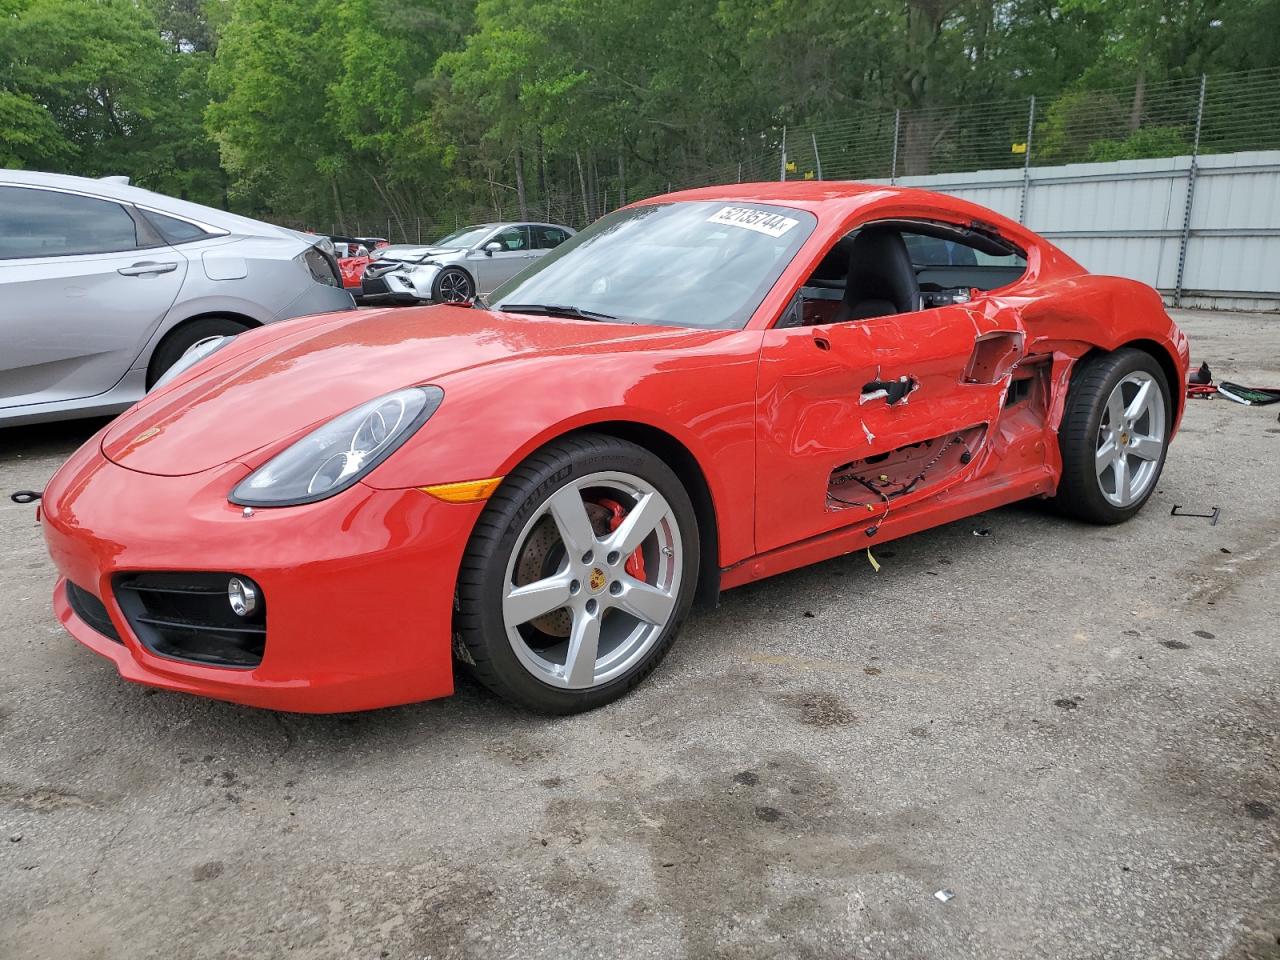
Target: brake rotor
point(540, 557)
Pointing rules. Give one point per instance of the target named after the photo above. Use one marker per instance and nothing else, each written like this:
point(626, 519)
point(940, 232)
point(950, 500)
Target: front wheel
point(1113, 437)
point(578, 575)
point(452, 285)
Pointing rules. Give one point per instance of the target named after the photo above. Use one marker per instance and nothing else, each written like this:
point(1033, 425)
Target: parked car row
point(105, 285)
point(467, 262)
point(540, 475)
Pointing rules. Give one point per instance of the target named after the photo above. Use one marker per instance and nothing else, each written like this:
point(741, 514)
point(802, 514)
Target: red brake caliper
point(635, 563)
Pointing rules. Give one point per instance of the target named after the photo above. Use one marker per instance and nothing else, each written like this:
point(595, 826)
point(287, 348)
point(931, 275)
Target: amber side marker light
point(468, 491)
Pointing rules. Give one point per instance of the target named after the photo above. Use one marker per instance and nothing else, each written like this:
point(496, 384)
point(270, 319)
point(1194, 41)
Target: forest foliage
point(331, 110)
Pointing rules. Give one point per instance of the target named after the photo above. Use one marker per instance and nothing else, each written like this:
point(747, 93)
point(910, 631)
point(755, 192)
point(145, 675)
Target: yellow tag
point(808, 174)
point(791, 166)
point(874, 566)
point(1019, 148)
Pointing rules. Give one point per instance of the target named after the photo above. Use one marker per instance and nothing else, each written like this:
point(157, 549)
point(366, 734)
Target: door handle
point(893, 391)
point(146, 267)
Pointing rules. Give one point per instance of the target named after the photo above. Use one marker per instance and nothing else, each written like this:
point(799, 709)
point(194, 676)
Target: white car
point(103, 286)
point(470, 261)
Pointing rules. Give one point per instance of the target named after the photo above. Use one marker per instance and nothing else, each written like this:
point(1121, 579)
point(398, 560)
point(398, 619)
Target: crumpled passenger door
point(835, 393)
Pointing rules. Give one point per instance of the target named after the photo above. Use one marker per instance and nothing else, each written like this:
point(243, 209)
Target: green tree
point(92, 88)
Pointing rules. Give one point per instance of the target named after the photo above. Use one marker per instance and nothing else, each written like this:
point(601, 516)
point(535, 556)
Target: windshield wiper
point(554, 310)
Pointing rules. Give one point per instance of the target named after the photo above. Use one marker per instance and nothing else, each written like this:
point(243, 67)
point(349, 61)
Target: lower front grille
point(186, 616)
point(92, 611)
point(373, 285)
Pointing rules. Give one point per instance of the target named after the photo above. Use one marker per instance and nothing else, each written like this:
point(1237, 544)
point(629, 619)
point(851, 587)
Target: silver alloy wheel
point(614, 618)
point(455, 287)
point(1131, 439)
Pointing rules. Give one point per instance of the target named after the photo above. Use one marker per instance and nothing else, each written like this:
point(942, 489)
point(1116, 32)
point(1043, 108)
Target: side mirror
point(491, 248)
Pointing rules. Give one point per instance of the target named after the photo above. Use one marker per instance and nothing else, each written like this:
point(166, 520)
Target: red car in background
point(354, 254)
point(696, 392)
point(352, 270)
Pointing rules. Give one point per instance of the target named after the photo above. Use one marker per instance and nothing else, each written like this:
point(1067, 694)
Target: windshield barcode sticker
point(761, 221)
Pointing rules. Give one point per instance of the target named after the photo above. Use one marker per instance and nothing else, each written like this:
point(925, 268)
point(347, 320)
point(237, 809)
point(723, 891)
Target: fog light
point(243, 596)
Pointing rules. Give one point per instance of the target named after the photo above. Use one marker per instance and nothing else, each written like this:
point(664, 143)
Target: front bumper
point(359, 588)
point(402, 285)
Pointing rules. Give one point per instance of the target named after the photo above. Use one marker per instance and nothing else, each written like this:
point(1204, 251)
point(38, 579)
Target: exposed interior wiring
point(879, 485)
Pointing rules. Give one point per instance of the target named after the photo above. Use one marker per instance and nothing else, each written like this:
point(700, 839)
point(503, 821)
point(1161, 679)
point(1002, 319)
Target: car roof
point(804, 192)
point(512, 223)
point(836, 198)
point(112, 189)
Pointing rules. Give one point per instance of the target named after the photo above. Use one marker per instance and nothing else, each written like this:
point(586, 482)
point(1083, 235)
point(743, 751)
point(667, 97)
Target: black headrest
point(881, 276)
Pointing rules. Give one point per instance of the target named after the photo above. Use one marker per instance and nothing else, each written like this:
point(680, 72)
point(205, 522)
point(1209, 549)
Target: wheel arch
point(475, 287)
point(1168, 366)
point(246, 321)
point(681, 460)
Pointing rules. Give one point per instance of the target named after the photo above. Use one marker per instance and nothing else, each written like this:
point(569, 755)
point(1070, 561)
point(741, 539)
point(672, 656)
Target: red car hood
point(248, 404)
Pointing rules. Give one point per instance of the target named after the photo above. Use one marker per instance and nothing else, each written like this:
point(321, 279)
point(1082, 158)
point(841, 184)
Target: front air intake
point(189, 616)
point(92, 611)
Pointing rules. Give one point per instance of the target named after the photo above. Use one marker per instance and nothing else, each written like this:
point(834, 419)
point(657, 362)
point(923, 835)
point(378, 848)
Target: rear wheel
point(578, 575)
point(184, 337)
point(1113, 437)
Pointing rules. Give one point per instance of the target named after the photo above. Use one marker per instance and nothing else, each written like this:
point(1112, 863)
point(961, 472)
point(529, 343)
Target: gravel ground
point(1074, 729)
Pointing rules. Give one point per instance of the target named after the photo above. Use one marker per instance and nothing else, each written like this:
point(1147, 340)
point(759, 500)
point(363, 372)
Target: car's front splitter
point(358, 588)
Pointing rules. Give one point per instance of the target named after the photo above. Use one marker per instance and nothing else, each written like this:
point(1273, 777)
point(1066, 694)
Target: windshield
point(704, 264)
point(466, 237)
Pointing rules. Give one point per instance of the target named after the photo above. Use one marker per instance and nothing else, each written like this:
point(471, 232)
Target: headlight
point(333, 457)
point(195, 353)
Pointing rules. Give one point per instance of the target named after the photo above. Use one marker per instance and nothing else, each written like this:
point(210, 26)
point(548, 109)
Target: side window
point(887, 268)
point(934, 252)
point(512, 238)
point(172, 229)
point(948, 270)
point(931, 251)
point(45, 223)
point(548, 238)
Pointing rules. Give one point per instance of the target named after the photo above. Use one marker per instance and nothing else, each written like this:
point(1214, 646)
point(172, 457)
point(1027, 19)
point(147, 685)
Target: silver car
point(470, 261)
point(103, 286)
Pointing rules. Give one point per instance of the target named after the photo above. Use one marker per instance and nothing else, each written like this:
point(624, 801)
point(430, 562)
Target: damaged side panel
point(915, 398)
point(877, 427)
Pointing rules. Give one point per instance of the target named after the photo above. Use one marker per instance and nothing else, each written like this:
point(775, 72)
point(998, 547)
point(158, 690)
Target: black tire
point(452, 285)
point(479, 626)
point(1080, 494)
point(183, 337)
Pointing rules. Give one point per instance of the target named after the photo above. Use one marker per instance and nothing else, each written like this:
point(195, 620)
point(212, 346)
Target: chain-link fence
point(1235, 111)
point(1223, 113)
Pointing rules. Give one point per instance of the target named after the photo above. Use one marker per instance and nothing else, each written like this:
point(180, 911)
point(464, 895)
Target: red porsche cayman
point(698, 391)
